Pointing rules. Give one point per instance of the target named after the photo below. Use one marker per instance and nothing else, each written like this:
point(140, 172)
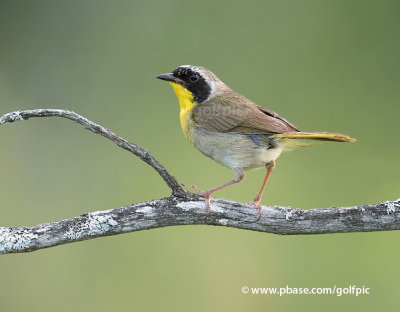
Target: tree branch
point(184, 208)
point(177, 211)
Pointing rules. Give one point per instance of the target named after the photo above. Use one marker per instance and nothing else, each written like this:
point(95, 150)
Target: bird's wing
point(232, 112)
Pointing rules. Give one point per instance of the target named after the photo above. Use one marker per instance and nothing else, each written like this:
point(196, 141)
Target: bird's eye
point(193, 77)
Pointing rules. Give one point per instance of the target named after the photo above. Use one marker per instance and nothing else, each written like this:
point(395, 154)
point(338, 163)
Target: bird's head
point(202, 83)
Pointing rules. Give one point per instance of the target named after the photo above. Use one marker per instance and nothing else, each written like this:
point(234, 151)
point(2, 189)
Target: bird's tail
point(290, 138)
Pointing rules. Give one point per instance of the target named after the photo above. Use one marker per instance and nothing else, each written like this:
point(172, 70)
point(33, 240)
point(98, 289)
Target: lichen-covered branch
point(177, 211)
point(183, 208)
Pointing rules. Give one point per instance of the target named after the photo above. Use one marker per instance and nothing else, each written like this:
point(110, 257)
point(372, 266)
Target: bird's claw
point(201, 193)
point(258, 205)
point(194, 187)
point(206, 195)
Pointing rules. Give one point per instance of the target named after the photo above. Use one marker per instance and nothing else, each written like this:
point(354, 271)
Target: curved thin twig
point(183, 208)
point(174, 185)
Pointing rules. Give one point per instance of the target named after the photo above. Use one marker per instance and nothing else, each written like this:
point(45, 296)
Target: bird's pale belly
point(236, 150)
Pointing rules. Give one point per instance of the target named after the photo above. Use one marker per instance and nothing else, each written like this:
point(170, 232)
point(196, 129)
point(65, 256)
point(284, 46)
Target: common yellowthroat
point(231, 129)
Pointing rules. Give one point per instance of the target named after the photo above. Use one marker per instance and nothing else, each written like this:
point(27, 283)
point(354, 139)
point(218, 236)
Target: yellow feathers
point(186, 105)
point(321, 136)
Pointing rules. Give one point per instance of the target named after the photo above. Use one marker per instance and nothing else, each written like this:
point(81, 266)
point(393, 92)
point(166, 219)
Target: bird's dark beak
point(170, 77)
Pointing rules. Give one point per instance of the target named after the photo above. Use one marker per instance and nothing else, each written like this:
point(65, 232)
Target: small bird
point(231, 129)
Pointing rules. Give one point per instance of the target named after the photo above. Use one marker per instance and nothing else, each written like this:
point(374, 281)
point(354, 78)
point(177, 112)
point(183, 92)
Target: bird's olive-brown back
point(228, 111)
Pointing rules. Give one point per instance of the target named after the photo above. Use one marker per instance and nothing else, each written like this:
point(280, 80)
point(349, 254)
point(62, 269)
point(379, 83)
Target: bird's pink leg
point(239, 175)
point(256, 202)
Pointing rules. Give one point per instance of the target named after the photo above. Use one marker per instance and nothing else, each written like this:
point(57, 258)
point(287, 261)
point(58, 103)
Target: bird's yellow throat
point(186, 104)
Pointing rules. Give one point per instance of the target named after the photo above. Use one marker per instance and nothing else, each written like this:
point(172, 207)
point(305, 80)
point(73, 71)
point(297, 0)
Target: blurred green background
point(324, 65)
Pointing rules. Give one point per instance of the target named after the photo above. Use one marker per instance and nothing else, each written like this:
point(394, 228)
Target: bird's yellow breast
point(186, 105)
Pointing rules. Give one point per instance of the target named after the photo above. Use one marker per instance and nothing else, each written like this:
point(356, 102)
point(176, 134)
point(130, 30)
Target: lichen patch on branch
point(13, 239)
point(94, 225)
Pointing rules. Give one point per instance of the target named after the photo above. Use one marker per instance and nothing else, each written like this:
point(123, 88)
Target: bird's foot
point(256, 203)
point(201, 193)
point(206, 195)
